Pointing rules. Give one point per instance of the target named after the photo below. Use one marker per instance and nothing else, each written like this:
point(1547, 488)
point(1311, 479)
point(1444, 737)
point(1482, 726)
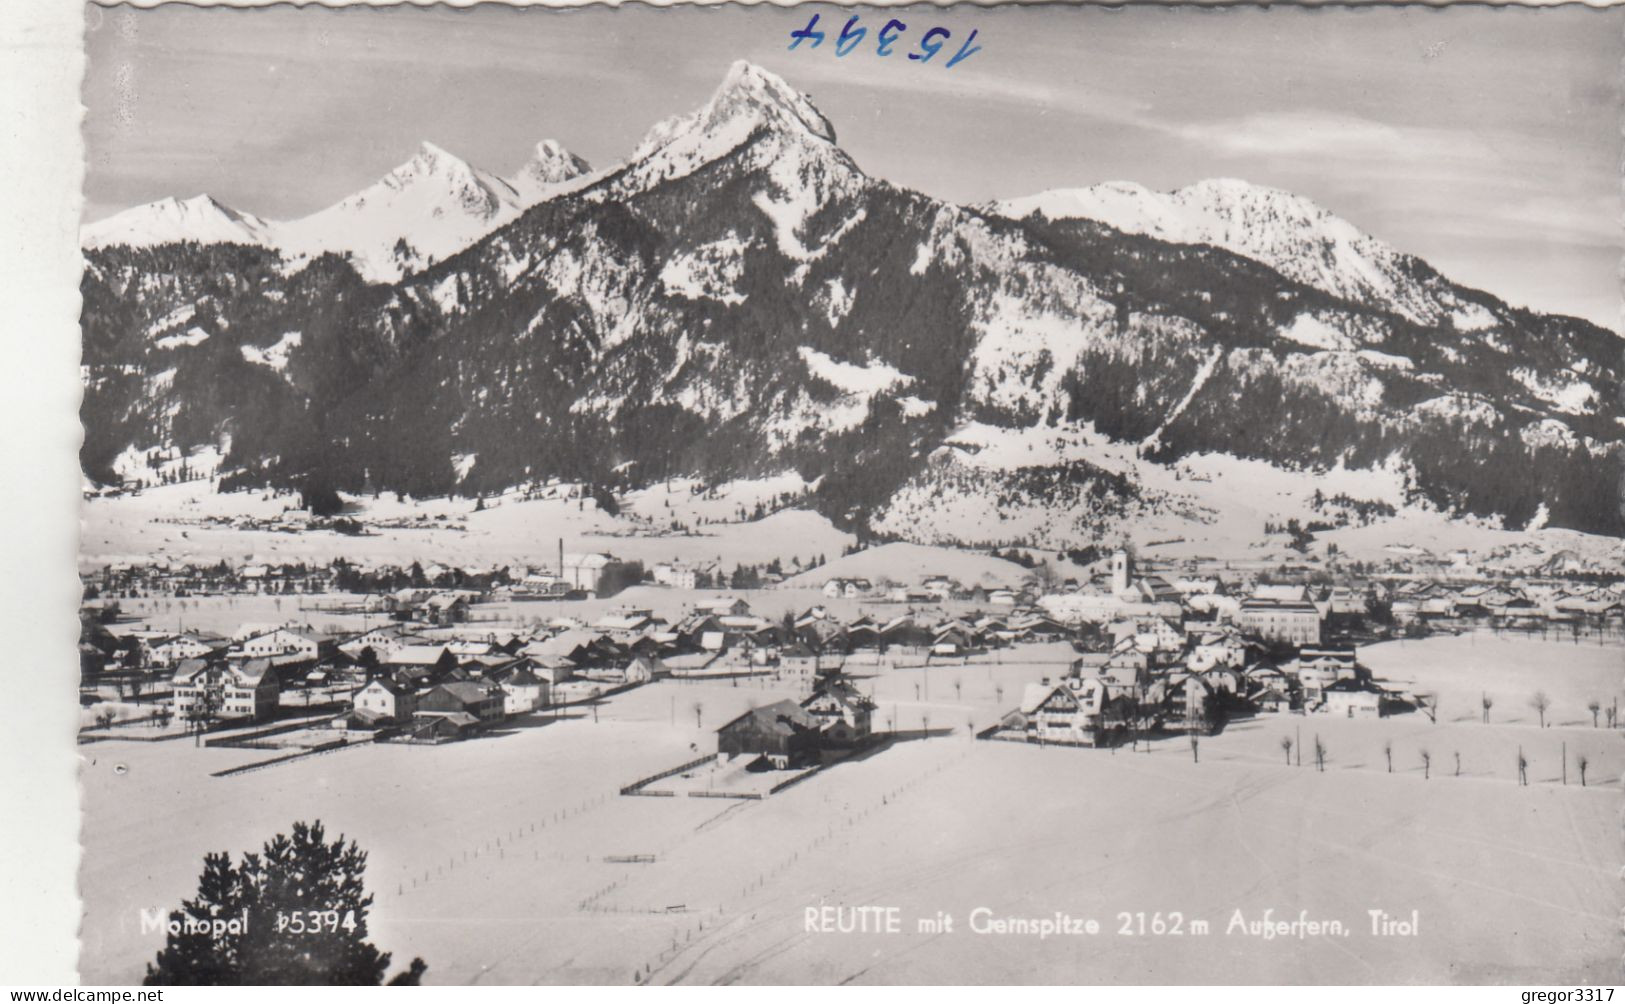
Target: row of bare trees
point(1542, 704)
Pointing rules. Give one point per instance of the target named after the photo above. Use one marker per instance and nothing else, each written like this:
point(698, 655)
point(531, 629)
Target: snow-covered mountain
point(755, 110)
point(423, 211)
point(170, 221)
point(427, 209)
point(548, 173)
point(738, 299)
point(1287, 232)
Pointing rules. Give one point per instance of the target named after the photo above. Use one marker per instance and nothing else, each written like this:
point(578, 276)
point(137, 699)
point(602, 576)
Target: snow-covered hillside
point(424, 211)
point(1287, 232)
point(169, 221)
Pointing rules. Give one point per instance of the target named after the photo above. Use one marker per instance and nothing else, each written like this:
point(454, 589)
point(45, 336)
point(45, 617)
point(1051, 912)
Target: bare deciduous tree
point(1286, 749)
point(1388, 751)
point(1487, 702)
point(1427, 764)
point(1594, 706)
point(1582, 762)
point(1320, 755)
point(1540, 702)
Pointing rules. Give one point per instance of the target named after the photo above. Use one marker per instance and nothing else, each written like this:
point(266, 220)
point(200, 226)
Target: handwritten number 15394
point(851, 36)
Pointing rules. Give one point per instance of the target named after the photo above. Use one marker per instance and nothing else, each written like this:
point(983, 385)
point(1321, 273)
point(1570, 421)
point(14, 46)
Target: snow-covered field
point(1509, 669)
point(1206, 506)
point(167, 523)
point(488, 857)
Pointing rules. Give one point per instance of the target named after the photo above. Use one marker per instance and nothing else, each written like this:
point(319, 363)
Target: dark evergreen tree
point(294, 914)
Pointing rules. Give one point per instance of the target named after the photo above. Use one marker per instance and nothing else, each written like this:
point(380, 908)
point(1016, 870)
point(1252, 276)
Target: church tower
point(1120, 570)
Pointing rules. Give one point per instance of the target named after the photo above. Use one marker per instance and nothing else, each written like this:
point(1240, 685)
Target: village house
point(552, 669)
point(851, 589)
point(1347, 602)
point(727, 606)
point(441, 728)
point(522, 690)
point(1073, 711)
point(1211, 647)
point(1150, 634)
point(384, 701)
point(1352, 699)
point(1318, 668)
point(173, 651)
point(679, 574)
point(626, 623)
point(644, 668)
point(1267, 687)
point(418, 665)
point(482, 701)
point(288, 641)
point(246, 689)
point(1002, 597)
point(952, 641)
point(542, 585)
point(799, 662)
point(382, 640)
point(446, 608)
point(842, 712)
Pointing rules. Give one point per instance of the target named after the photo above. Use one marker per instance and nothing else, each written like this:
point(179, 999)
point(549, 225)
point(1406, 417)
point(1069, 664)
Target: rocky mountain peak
point(748, 98)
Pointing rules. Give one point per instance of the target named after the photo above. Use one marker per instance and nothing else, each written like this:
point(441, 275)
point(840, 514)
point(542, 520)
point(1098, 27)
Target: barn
point(783, 732)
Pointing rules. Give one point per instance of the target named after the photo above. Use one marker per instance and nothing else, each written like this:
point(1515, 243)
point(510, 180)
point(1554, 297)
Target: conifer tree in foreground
point(294, 914)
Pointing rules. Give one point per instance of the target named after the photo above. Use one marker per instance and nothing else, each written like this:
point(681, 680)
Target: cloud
point(967, 84)
point(1298, 134)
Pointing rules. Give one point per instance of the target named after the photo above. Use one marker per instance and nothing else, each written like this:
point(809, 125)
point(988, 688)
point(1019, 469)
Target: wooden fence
point(332, 747)
point(636, 787)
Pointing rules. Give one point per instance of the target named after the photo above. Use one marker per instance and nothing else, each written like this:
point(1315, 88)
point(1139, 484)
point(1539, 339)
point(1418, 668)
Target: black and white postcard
point(851, 495)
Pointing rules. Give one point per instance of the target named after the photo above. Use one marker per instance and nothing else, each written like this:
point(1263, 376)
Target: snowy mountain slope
point(169, 221)
point(739, 300)
point(1289, 233)
point(427, 209)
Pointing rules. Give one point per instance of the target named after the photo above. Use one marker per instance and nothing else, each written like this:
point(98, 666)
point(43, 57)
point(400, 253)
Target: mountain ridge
point(740, 299)
point(429, 207)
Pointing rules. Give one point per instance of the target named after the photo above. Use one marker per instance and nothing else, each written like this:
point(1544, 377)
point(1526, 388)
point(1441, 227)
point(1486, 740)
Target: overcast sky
point(1485, 140)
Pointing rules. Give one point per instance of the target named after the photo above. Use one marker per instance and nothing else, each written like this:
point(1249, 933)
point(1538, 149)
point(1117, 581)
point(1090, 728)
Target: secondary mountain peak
point(433, 162)
point(550, 167)
point(201, 219)
point(428, 208)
